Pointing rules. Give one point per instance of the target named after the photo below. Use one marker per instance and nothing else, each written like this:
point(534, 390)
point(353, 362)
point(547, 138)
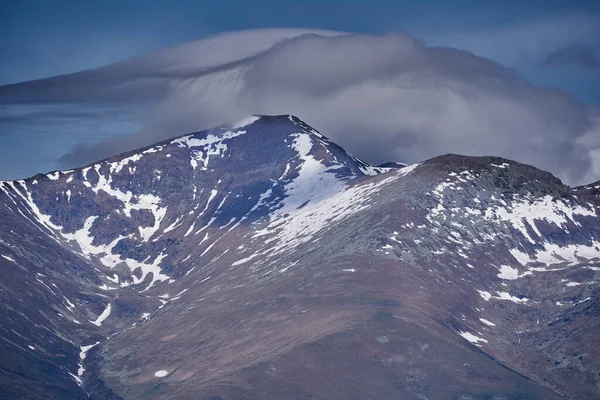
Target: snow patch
point(485, 295)
point(8, 258)
point(82, 353)
point(509, 297)
point(472, 338)
point(503, 165)
point(53, 176)
point(507, 272)
point(485, 321)
point(371, 170)
point(554, 254)
point(524, 213)
point(102, 317)
point(314, 201)
point(116, 167)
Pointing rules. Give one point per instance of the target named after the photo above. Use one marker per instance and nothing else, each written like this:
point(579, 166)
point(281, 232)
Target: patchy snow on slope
point(190, 141)
point(314, 200)
point(520, 213)
point(70, 305)
point(83, 238)
point(161, 373)
point(524, 213)
point(116, 167)
point(174, 225)
point(509, 297)
point(371, 170)
point(41, 218)
point(203, 157)
point(102, 317)
point(53, 176)
point(130, 202)
point(502, 166)
point(8, 258)
point(150, 202)
point(439, 193)
point(146, 269)
point(554, 254)
point(472, 338)
point(213, 194)
point(82, 354)
point(109, 259)
point(507, 272)
point(245, 259)
point(485, 295)
point(407, 170)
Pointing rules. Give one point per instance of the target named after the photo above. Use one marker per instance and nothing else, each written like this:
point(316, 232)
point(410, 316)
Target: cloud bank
point(383, 98)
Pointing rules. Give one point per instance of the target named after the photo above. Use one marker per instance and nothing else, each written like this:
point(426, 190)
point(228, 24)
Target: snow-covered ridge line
point(314, 200)
point(117, 166)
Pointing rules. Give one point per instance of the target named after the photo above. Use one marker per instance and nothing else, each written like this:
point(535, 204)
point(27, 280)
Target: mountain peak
point(262, 133)
point(264, 249)
point(251, 166)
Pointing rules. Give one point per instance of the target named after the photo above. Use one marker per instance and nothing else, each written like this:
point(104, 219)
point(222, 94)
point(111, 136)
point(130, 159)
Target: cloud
point(522, 43)
point(582, 55)
point(383, 98)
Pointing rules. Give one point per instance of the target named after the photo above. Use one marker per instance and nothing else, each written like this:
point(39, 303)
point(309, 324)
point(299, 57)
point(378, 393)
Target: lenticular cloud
point(384, 98)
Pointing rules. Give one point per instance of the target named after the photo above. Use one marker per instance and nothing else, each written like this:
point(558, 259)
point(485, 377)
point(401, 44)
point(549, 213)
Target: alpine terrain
point(259, 260)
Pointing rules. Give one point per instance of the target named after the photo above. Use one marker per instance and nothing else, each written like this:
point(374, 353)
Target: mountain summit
point(260, 260)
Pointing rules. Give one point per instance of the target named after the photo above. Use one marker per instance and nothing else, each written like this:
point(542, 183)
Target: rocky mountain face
point(261, 261)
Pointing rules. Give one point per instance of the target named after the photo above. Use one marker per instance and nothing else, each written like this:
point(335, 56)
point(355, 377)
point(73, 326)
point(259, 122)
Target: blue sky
point(44, 38)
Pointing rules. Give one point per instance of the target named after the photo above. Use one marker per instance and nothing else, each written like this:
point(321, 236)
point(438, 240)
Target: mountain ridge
point(234, 258)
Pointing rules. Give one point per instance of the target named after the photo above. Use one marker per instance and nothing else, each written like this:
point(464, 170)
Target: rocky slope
point(260, 260)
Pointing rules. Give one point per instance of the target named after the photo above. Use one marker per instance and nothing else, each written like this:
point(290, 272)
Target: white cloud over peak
point(383, 98)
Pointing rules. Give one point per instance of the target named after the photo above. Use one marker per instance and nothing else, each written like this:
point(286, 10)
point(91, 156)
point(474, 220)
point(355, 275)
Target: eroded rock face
point(260, 260)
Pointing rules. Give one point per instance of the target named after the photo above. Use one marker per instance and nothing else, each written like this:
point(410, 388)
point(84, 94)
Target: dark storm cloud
point(381, 97)
point(582, 55)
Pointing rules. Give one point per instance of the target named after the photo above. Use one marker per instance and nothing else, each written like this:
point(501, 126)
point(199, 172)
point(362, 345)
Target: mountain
point(260, 260)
